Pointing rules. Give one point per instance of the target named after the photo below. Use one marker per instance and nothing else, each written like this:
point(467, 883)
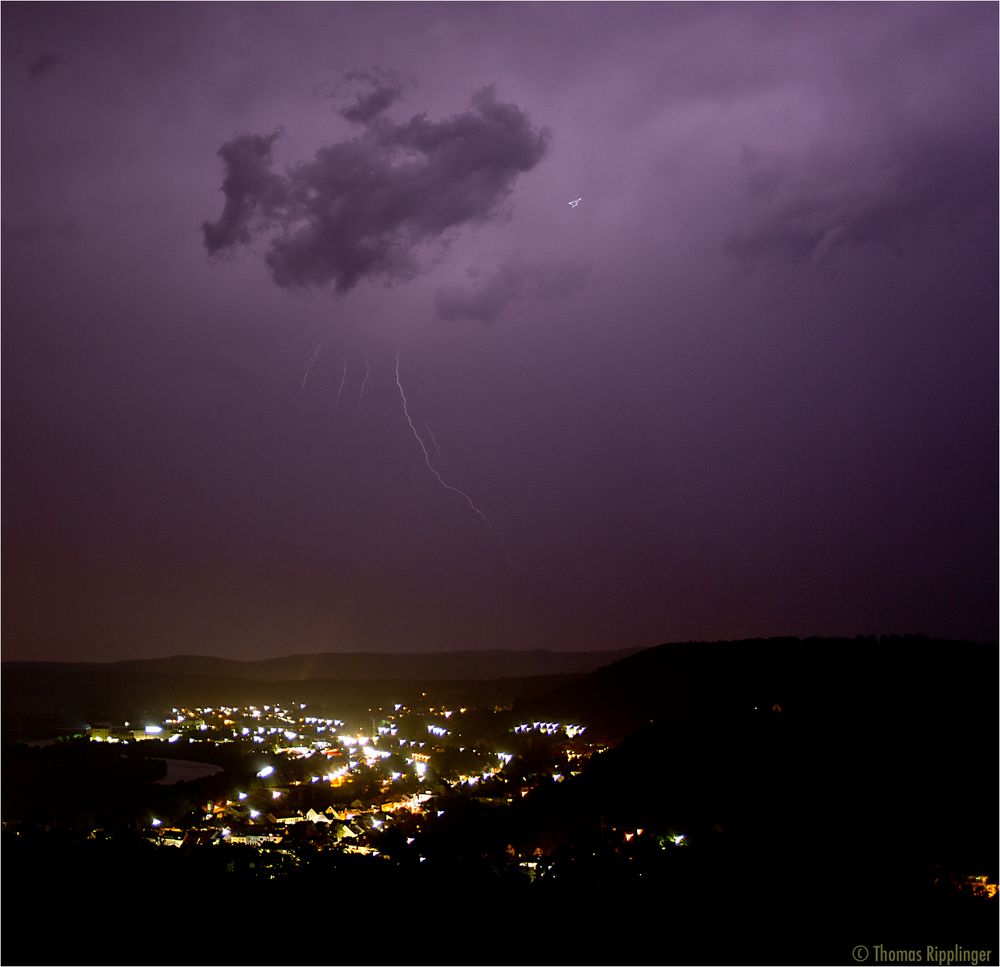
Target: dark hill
point(863, 779)
point(811, 677)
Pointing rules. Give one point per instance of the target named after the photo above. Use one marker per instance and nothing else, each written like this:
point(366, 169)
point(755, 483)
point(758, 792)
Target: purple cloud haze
point(513, 281)
point(806, 207)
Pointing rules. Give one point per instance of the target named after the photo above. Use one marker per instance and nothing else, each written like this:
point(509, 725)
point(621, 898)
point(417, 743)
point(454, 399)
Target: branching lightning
point(364, 382)
point(309, 364)
point(430, 433)
point(438, 477)
point(343, 379)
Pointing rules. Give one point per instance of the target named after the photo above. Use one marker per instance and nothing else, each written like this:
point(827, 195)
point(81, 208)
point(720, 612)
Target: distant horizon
point(307, 654)
point(6, 659)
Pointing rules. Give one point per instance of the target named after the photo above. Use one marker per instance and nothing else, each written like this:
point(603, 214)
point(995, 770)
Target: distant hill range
point(612, 692)
point(370, 666)
point(46, 695)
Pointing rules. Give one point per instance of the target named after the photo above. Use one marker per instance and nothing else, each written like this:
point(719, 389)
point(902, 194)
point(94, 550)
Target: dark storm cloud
point(253, 192)
point(381, 89)
point(361, 208)
point(810, 206)
point(513, 281)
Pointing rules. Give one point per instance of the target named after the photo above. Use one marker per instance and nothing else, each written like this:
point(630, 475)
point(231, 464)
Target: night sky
point(746, 387)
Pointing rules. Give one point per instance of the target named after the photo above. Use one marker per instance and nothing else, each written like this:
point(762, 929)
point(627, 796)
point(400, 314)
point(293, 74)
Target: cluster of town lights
point(551, 728)
point(296, 736)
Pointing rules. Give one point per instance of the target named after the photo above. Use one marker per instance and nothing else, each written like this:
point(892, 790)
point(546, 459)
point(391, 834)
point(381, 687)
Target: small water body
point(184, 770)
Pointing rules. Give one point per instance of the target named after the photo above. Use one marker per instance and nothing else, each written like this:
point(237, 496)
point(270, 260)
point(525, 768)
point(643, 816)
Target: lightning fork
point(309, 364)
point(439, 478)
point(343, 378)
point(364, 382)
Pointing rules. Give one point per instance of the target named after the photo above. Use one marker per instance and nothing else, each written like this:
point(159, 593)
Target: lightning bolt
point(430, 433)
point(343, 378)
point(364, 382)
point(439, 478)
point(309, 364)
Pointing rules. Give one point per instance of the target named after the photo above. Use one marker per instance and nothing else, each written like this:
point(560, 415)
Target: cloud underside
point(805, 209)
point(362, 208)
point(515, 281)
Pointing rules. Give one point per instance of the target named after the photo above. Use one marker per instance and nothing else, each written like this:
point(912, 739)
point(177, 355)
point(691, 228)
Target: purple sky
point(746, 387)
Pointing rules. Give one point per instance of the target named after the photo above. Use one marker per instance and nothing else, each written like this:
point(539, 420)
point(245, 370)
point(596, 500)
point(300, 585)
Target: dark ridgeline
point(48, 695)
point(367, 666)
point(816, 679)
point(822, 786)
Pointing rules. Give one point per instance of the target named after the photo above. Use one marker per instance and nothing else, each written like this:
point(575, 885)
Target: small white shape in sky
point(575, 202)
